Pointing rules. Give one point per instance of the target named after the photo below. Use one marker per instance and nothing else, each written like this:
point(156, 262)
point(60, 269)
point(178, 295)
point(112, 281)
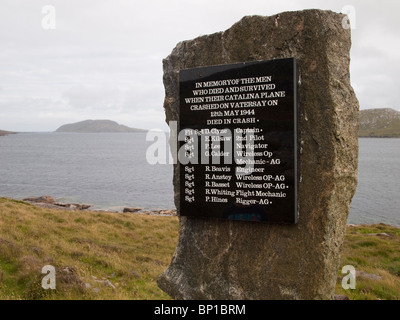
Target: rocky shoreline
point(49, 203)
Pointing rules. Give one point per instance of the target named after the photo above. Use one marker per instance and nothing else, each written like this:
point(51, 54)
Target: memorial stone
point(220, 258)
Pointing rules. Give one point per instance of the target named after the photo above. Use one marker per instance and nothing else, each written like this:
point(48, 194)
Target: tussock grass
point(86, 248)
point(131, 250)
point(374, 251)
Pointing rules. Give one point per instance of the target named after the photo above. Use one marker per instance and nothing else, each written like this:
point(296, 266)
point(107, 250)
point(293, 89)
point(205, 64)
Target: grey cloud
point(103, 60)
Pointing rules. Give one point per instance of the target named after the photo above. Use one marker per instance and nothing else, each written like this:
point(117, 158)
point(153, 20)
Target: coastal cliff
point(380, 123)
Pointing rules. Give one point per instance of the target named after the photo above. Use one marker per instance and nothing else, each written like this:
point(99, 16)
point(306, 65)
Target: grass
point(374, 251)
point(87, 249)
point(4, 133)
point(91, 250)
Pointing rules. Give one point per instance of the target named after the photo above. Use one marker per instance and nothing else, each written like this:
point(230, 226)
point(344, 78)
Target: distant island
point(96, 126)
point(379, 123)
point(4, 133)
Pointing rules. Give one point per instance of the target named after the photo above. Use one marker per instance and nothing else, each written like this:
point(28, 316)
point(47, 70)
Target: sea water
point(110, 171)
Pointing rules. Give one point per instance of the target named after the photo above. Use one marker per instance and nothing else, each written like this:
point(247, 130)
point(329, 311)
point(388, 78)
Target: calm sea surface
point(377, 198)
point(106, 170)
point(110, 171)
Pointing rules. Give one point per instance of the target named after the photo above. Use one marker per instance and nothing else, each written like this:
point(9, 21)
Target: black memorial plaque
point(238, 146)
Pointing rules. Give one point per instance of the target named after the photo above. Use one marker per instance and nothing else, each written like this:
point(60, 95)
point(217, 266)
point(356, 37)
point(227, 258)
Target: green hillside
point(92, 126)
point(379, 123)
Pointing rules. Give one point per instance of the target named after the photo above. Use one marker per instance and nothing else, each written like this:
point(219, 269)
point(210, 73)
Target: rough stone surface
point(217, 259)
point(42, 199)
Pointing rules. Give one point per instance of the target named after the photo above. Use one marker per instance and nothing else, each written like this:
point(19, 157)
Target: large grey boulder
point(217, 259)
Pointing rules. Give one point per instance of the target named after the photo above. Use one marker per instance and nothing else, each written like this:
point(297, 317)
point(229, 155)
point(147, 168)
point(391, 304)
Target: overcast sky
point(103, 59)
